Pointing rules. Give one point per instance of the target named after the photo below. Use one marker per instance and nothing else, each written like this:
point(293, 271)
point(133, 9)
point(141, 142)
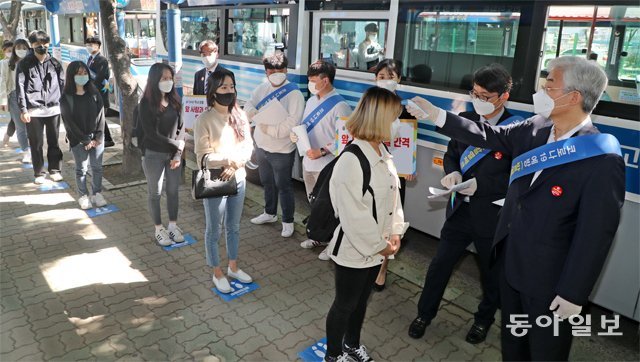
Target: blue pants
point(21, 127)
point(227, 209)
point(83, 158)
point(275, 175)
point(155, 166)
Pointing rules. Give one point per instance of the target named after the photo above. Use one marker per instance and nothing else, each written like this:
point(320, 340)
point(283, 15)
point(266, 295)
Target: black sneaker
point(344, 357)
point(359, 354)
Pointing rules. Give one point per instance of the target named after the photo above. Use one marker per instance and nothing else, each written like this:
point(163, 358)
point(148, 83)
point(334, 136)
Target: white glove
point(451, 179)
point(422, 108)
point(565, 309)
point(469, 191)
point(293, 137)
point(180, 145)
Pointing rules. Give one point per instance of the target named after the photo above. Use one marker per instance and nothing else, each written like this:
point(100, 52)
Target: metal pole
point(55, 37)
point(174, 34)
point(120, 22)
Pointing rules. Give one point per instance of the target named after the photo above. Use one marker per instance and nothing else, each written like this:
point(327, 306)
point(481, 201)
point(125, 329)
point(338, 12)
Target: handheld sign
point(192, 107)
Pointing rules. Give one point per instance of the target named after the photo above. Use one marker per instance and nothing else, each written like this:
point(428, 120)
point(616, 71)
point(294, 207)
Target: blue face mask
point(81, 79)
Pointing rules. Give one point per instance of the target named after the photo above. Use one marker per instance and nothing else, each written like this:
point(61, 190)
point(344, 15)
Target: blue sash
point(472, 154)
point(562, 152)
point(277, 94)
point(321, 110)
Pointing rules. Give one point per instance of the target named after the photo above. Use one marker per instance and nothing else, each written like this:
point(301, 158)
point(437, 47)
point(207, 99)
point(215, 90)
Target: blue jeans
point(21, 127)
point(83, 158)
point(227, 209)
point(275, 175)
point(155, 166)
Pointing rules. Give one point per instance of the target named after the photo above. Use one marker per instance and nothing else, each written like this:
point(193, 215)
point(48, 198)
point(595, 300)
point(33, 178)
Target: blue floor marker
point(99, 211)
point(18, 150)
point(30, 165)
point(188, 240)
point(237, 289)
point(314, 353)
point(51, 186)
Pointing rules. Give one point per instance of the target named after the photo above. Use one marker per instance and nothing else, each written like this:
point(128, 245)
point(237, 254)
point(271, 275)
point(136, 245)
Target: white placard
point(192, 107)
point(303, 143)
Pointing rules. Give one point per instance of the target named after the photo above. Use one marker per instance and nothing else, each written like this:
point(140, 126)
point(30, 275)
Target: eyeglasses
point(473, 94)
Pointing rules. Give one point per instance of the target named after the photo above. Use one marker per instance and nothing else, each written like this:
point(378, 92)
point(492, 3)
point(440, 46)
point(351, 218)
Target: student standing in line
point(159, 113)
point(99, 74)
point(39, 83)
point(8, 98)
point(83, 116)
point(371, 225)
point(223, 140)
point(275, 151)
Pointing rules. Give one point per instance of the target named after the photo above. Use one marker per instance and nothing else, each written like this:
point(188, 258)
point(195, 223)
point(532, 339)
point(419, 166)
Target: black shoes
point(379, 287)
point(477, 333)
point(417, 327)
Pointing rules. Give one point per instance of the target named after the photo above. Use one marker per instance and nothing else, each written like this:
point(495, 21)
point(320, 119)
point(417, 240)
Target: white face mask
point(165, 86)
point(277, 79)
point(388, 84)
point(81, 79)
point(312, 88)
point(209, 61)
point(21, 53)
point(481, 107)
point(395, 128)
point(90, 49)
point(373, 38)
point(7, 55)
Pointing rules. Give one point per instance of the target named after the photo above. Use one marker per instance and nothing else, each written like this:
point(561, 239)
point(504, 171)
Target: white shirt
point(7, 81)
point(276, 139)
point(494, 120)
point(324, 133)
point(364, 57)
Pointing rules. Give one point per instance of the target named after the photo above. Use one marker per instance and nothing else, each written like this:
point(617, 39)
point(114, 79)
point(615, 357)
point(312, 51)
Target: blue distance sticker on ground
point(52, 186)
point(314, 353)
point(99, 211)
point(188, 240)
point(237, 289)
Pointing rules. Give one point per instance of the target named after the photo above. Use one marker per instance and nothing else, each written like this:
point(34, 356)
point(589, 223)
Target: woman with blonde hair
point(371, 225)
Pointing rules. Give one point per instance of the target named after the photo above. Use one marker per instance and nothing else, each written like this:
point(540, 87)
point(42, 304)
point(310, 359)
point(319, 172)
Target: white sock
point(172, 225)
point(159, 227)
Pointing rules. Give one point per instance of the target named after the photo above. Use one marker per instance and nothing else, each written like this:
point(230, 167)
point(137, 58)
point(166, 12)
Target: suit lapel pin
point(497, 155)
point(556, 191)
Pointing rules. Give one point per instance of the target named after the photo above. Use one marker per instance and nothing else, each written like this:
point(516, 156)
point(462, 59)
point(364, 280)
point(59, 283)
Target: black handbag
point(206, 183)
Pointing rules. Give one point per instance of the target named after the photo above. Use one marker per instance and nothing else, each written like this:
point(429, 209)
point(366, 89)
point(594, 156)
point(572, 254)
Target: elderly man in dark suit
point(99, 68)
point(562, 208)
point(209, 54)
point(471, 214)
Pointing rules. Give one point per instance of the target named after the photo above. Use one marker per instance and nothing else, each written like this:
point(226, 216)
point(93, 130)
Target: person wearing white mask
point(275, 152)
point(8, 99)
point(471, 216)
point(562, 208)
point(209, 56)
point(82, 112)
point(321, 130)
point(159, 113)
point(369, 50)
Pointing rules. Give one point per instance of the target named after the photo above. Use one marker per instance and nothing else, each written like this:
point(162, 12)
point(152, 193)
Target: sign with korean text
point(192, 107)
point(403, 148)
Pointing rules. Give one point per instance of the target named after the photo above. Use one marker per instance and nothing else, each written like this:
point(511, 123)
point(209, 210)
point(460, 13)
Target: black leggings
point(353, 287)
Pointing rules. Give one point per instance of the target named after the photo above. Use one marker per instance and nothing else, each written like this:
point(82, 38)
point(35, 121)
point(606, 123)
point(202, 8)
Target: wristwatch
point(323, 152)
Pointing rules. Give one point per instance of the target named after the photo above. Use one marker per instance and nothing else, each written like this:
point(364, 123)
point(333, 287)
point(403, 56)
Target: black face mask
point(41, 49)
point(225, 99)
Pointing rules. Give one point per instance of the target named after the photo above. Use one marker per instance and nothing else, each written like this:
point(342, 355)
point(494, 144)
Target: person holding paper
point(275, 151)
point(562, 208)
point(320, 114)
point(471, 215)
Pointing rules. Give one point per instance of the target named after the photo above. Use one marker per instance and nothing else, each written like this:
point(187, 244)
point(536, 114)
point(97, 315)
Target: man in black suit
point(209, 54)
point(558, 220)
point(471, 214)
point(99, 74)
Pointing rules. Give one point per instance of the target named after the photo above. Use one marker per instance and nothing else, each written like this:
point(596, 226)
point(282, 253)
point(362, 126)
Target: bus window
point(444, 45)
point(353, 44)
point(607, 35)
point(199, 25)
point(71, 29)
point(255, 32)
point(140, 35)
point(91, 24)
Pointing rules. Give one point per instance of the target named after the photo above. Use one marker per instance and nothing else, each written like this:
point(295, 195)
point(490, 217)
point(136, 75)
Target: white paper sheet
point(303, 139)
point(272, 113)
point(436, 192)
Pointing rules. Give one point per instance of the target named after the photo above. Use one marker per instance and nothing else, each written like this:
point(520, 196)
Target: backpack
point(322, 222)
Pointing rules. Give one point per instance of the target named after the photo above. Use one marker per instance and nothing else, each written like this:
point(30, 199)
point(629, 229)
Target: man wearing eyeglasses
point(209, 54)
point(471, 214)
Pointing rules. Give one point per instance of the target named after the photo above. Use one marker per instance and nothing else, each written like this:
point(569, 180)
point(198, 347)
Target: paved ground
point(78, 288)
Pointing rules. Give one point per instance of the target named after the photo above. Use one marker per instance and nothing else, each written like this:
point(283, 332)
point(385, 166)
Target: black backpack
point(322, 222)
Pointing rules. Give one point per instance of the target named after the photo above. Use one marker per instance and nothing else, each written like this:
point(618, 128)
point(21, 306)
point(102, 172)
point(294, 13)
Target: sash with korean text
point(312, 119)
point(277, 94)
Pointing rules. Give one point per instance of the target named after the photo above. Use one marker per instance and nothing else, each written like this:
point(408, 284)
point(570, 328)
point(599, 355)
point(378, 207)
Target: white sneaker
point(222, 284)
point(324, 255)
point(176, 234)
point(287, 229)
point(239, 275)
point(56, 177)
point(264, 218)
point(84, 202)
point(39, 180)
point(98, 200)
point(163, 238)
point(26, 156)
point(310, 244)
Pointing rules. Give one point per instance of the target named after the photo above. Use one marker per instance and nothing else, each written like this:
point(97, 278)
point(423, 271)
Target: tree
point(10, 27)
point(120, 59)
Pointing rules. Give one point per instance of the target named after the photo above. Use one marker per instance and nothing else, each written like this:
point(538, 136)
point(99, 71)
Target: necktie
point(206, 82)
point(90, 61)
